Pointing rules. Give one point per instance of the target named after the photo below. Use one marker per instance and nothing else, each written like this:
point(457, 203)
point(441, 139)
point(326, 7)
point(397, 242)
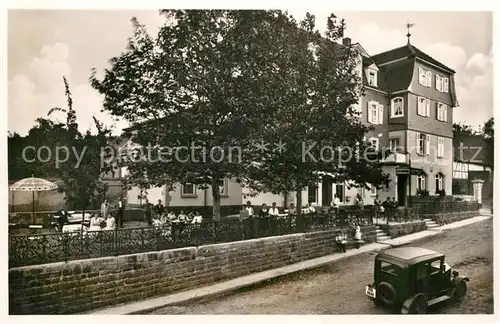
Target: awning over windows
point(405, 170)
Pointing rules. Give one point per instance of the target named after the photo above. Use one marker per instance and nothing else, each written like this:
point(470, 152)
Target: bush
point(423, 193)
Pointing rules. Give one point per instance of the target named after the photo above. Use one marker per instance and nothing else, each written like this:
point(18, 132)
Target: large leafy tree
point(202, 82)
point(35, 152)
point(313, 114)
point(81, 171)
point(489, 140)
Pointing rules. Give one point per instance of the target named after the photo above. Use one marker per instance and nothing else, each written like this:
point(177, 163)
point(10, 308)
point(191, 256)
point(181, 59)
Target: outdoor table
point(70, 228)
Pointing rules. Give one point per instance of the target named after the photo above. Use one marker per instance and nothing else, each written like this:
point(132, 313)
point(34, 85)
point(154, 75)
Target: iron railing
point(401, 215)
point(438, 207)
point(57, 247)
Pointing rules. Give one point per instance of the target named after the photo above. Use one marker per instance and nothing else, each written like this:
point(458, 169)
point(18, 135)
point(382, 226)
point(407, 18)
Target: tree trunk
point(298, 207)
point(299, 201)
point(216, 199)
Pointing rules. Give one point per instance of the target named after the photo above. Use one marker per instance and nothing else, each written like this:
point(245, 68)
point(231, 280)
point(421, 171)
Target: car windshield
point(389, 268)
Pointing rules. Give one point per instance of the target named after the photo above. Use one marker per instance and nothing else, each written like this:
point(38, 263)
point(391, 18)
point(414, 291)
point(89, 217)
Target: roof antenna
point(408, 26)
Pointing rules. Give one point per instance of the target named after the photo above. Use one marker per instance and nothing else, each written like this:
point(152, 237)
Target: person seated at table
point(197, 218)
point(182, 217)
point(274, 211)
point(163, 218)
point(244, 214)
point(95, 223)
point(250, 208)
point(309, 209)
point(263, 212)
point(62, 220)
point(171, 216)
point(110, 222)
point(292, 210)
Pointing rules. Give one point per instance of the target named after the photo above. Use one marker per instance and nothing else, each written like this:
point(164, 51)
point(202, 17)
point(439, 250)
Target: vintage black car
point(410, 279)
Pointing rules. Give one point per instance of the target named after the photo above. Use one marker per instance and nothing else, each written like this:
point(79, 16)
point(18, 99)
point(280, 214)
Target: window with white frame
point(397, 107)
point(440, 151)
point(421, 182)
point(445, 85)
point(394, 144)
point(439, 182)
point(424, 77)
point(373, 190)
point(374, 141)
point(420, 143)
point(188, 189)
point(441, 111)
point(372, 78)
point(442, 83)
point(375, 113)
point(423, 144)
point(423, 106)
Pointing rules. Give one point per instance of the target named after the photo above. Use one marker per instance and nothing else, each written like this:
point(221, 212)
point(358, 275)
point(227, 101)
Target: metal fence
point(56, 247)
point(401, 215)
point(439, 206)
point(31, 249)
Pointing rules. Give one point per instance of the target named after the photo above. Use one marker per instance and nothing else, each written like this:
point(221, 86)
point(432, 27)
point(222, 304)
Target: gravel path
point(339, 288)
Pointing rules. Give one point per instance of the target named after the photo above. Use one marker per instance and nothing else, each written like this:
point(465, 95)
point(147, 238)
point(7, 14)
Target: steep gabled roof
point(398, 75)
point(408, 51)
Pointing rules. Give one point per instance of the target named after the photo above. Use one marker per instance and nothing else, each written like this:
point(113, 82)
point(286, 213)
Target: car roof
point(408, 255)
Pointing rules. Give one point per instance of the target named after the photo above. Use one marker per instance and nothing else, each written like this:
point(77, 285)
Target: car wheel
point(386, 293)
point(419, 305)
point(459, 291)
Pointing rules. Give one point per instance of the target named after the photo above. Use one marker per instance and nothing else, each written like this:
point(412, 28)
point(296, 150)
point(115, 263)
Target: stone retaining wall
point(83, 285)
point(446, 218)
point(396, 230)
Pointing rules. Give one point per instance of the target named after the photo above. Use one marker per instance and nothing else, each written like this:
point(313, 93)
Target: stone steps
point(381, 236)
point(432, 225)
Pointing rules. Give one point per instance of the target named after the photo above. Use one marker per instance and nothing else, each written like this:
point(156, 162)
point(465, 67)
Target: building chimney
point(346, 41)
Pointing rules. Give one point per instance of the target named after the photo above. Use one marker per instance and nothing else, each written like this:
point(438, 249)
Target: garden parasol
point(33, 184)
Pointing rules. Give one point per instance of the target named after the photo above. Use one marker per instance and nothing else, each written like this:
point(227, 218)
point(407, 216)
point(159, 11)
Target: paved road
point(339, 288)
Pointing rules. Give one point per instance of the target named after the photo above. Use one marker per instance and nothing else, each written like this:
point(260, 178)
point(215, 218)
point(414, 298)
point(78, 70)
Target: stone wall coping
point(400, 224)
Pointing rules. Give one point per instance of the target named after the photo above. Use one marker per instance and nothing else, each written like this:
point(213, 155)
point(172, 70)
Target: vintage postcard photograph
point(249, 162)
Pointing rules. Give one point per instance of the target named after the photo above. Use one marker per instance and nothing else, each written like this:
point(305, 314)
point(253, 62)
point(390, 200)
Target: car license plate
point(370, 291)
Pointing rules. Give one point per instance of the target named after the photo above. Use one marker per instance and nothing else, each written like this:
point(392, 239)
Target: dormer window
point(372, 78)
point(424, 77)
point(371, 74)
point(442, 83)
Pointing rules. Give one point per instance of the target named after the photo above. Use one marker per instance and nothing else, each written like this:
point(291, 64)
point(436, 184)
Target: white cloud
point(475, 91)
point(30, 99)
point(478, 60)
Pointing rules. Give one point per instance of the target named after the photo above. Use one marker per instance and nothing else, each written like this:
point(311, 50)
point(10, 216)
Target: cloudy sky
point(44, 45)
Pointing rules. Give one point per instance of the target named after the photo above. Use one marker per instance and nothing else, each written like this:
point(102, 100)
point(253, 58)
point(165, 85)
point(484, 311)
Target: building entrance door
point(326, 190)
point(402, 184)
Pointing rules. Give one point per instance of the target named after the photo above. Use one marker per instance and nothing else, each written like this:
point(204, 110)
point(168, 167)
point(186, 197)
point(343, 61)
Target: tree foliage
point(226, 80)
point(461, 130)
point(314, 114)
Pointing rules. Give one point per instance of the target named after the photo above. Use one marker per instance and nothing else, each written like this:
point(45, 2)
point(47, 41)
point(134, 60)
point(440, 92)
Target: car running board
point(438, 300)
